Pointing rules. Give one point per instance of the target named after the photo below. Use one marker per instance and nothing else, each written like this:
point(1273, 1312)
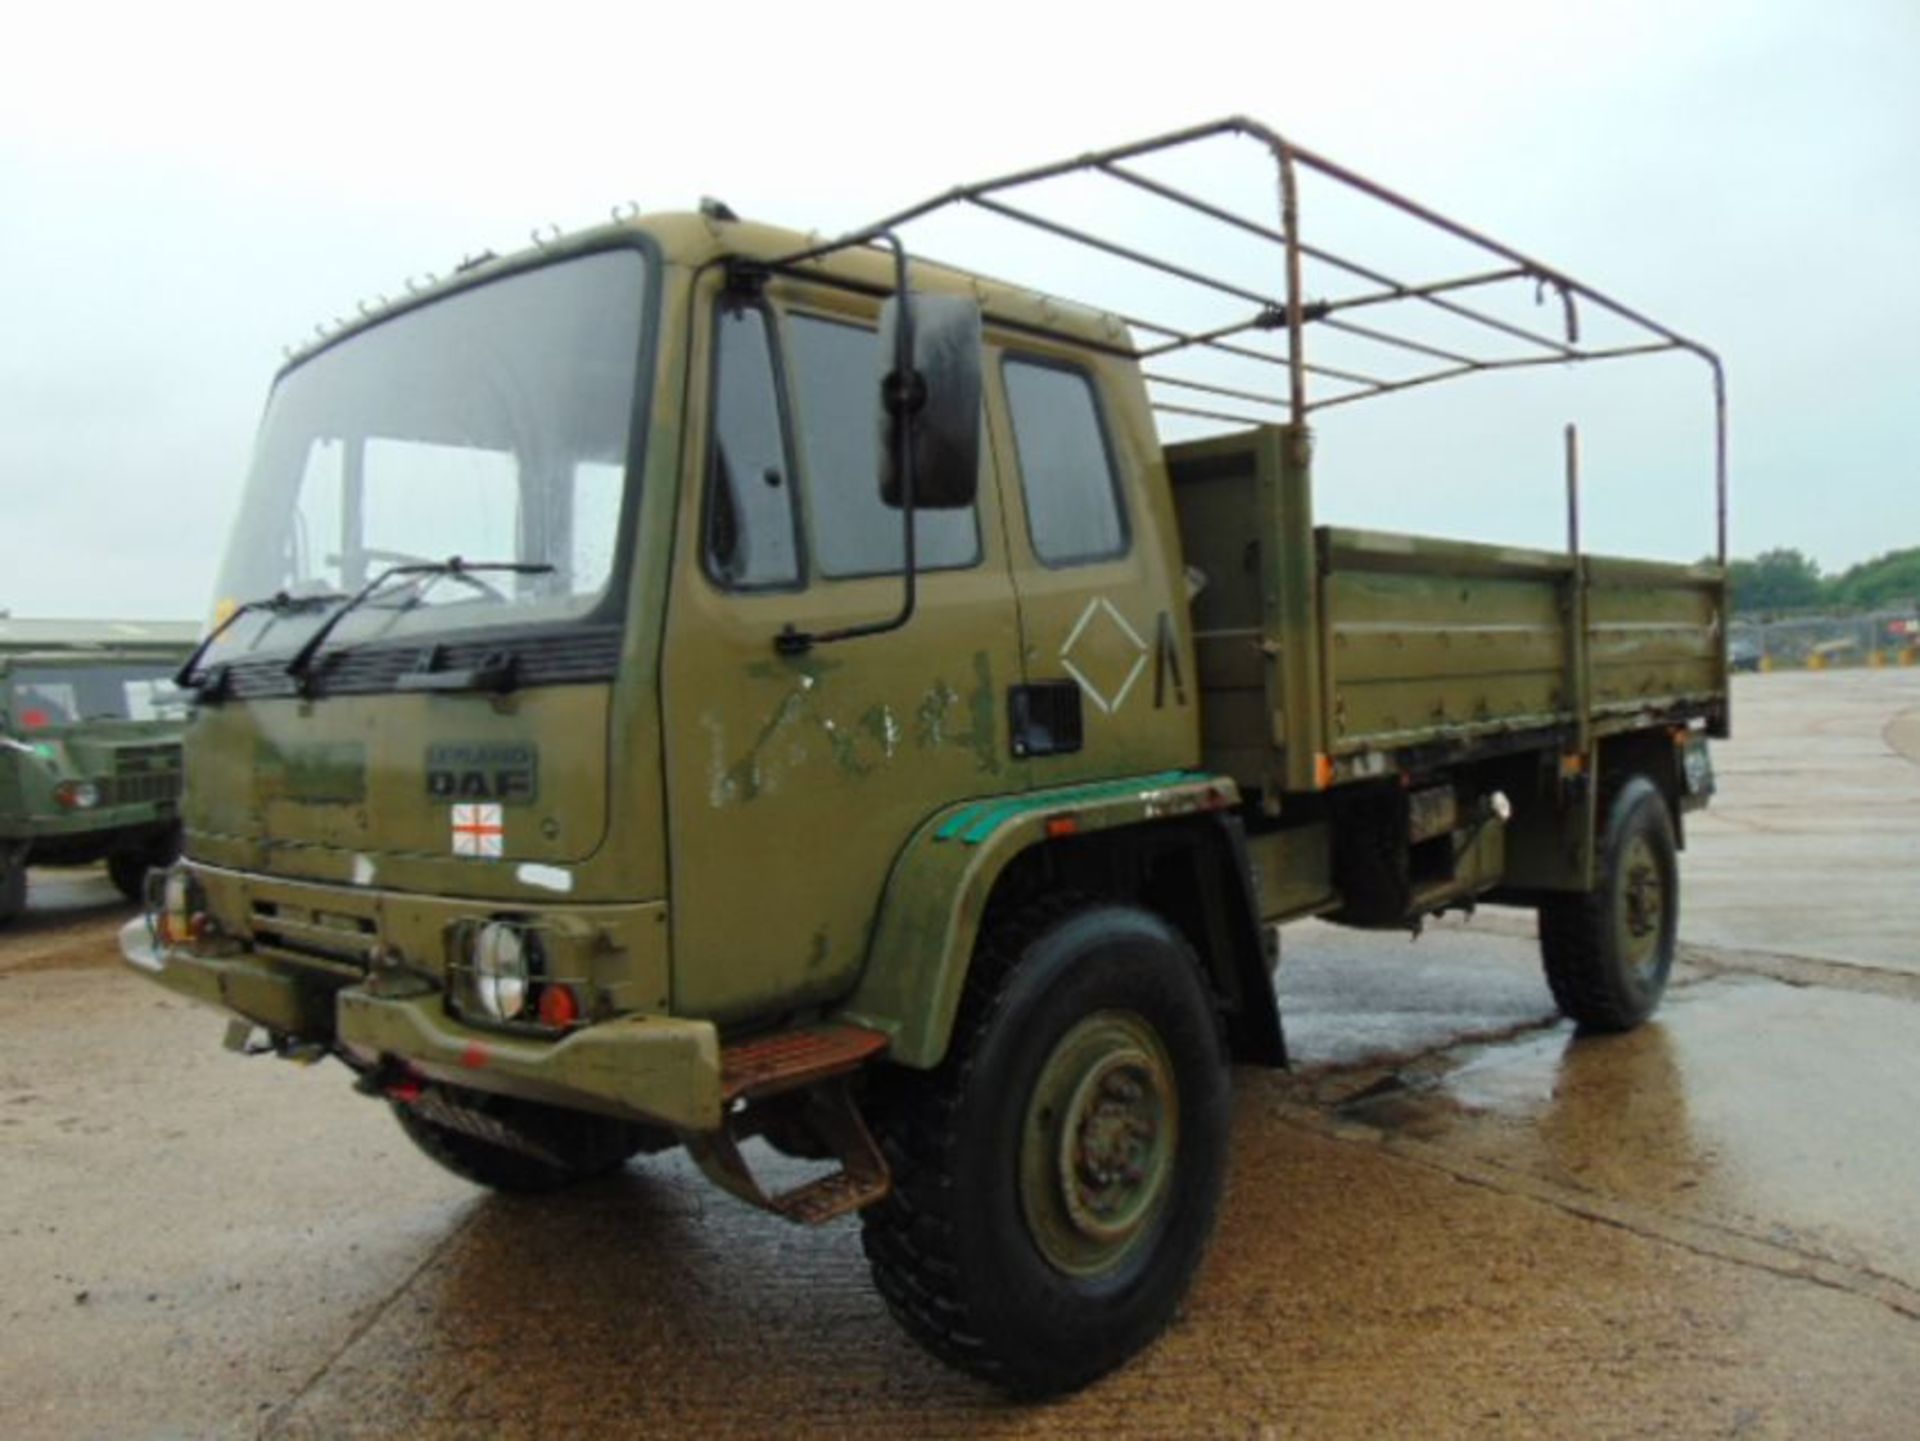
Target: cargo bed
point(1326, 655)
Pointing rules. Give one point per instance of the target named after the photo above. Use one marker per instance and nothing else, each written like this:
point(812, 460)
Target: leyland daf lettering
point(484, 771)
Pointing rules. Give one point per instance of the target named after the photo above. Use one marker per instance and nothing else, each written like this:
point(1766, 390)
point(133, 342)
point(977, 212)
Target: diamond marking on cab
point(1098, 643)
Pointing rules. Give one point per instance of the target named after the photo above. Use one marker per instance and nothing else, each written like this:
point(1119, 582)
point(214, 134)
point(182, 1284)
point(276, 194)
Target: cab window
point(1066, 466)
point(751, 529)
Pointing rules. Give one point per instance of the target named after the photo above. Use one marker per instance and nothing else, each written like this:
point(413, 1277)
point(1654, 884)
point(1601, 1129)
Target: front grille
point(142, 774)
point(126, 790)
point(140, 760)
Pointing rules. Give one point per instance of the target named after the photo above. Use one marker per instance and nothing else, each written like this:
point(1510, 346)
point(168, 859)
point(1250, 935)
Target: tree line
point(1785, 579)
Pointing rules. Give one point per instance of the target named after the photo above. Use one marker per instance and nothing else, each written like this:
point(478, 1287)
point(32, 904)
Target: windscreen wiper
point(280, 603)
point(301, 666)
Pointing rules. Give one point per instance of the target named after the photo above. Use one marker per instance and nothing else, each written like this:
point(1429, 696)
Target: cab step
point(788, 1060)
point(798, 1078)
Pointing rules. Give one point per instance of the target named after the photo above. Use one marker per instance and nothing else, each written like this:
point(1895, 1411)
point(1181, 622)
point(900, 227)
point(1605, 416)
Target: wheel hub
point(1642, 904)
point(1109, 1154)
point(1097, 1155)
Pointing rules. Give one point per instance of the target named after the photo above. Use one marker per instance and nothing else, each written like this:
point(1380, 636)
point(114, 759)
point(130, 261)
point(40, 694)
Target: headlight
point(505, 957)
point(77, 795)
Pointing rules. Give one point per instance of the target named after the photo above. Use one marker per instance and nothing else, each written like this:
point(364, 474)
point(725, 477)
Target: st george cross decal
point(477, 830)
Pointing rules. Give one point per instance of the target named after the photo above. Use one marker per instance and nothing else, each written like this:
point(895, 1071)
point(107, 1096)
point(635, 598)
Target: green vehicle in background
point(90, 760)
point(692, 682)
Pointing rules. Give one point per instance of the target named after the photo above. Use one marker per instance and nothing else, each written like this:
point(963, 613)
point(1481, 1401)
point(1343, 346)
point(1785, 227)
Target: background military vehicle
point(90, 724)
point(841, 720)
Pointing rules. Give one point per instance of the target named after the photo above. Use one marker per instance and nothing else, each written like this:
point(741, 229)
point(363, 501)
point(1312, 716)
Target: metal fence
point(1882, 637)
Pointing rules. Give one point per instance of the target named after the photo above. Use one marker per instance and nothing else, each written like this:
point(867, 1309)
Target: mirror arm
point(904, 392)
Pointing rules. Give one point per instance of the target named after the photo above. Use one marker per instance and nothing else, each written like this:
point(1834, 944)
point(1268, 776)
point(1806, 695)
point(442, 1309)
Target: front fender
point(937, 893)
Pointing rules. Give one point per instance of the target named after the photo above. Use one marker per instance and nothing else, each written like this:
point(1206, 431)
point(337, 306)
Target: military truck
point(692, 682)
point(90, 723)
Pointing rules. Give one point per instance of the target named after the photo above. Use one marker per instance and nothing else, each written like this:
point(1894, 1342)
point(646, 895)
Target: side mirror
point(939, 401)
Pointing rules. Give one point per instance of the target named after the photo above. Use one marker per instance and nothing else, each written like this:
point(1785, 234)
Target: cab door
point(795, 780)
point(1095, 555)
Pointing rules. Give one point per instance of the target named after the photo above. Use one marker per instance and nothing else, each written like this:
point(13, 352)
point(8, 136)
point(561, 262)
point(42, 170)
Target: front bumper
point(648, 1068)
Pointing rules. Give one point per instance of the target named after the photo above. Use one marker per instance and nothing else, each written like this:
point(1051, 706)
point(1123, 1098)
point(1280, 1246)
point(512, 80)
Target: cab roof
point(693, 239)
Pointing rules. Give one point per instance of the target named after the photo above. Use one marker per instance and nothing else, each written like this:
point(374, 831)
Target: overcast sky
point(185, 189)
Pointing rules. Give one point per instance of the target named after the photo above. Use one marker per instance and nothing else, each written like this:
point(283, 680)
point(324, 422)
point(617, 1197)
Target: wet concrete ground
point(1455, 1218)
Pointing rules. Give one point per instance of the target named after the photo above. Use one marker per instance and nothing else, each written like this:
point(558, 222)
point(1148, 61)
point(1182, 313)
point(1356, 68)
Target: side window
point(593, 523)
point(751, 541)
point(836, 370)
point(1066, 469)
point(315, 535)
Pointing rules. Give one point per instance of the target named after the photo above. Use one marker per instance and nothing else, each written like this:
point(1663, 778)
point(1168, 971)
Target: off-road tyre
point(128, 867)
point(1608, 952)
point(128, 871)
point(514, 1145)
point(967, 1248)
point(13, 890)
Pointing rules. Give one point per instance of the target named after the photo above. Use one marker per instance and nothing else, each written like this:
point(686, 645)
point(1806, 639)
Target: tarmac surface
point(1453, 1218)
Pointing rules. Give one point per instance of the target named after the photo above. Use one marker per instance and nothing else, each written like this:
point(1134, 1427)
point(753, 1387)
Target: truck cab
point(90, 724)
point(547, 741)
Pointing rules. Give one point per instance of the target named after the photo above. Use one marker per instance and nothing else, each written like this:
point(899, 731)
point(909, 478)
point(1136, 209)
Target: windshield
point(48, 697)
point(492, 425)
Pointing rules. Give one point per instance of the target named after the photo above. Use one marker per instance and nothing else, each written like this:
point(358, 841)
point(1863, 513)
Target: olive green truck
point(90, 724)
point(691, 682)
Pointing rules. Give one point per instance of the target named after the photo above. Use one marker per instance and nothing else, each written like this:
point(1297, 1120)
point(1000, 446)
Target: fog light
point(502, 969)
point(176, 907)
point(77, 795)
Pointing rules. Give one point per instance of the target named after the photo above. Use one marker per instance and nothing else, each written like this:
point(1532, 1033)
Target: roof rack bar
point(1394, 290)
point(1422, 292)
point(1092, 160)
point(1054, 227)
point(1454, 228)
point(1184, 339)
point(1156, 378)
point(1192, 202)
point(1287, 159)
point(1215, 340)
point(1382, 337)
point(1166, 409)
point(1518, 363)
point(1493, 322)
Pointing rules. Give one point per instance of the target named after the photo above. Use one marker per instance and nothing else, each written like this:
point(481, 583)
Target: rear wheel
point(1608, 952)
point(515, 1145)
point(1056, 1178)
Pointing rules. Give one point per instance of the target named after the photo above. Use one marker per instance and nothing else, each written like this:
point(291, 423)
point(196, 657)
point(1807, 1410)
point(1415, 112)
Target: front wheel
point(128, 866)
point(13, 887)
point(1056, 1178)
point(1608, 952)
point(515, 1145)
